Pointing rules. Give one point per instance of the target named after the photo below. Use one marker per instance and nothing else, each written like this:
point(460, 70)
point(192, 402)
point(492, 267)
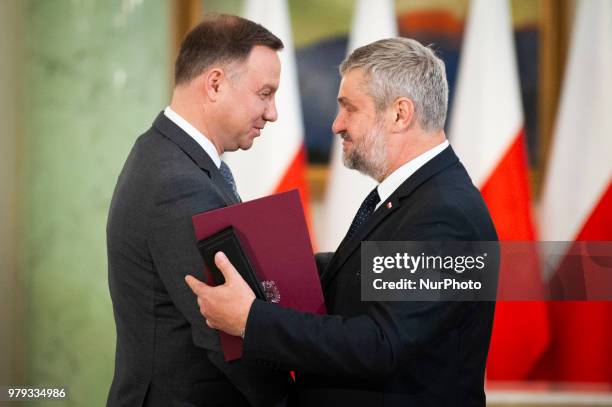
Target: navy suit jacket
point(388, 353)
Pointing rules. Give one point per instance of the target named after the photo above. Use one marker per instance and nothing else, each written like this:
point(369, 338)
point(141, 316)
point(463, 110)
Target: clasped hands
point(226, 307)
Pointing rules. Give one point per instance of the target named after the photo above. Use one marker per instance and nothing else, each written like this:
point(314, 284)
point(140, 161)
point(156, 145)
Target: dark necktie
point(229, 178)
point(365, 210)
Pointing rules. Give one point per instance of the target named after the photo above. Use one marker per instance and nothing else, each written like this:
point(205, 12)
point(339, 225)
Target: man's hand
point(226, 307)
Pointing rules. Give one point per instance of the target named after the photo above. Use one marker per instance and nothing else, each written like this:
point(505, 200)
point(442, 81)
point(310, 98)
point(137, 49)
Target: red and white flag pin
point(389, 205)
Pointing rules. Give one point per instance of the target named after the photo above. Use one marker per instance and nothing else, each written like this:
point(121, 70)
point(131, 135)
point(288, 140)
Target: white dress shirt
point(397, 177)
point(195, 134)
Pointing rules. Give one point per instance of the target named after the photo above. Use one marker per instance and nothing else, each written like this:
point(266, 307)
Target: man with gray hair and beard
point(392, 108)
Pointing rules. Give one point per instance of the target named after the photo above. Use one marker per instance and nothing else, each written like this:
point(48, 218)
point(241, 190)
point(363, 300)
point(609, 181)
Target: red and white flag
point(487, 132)
point(277, 160)
point(346, 189)
point(577, 196)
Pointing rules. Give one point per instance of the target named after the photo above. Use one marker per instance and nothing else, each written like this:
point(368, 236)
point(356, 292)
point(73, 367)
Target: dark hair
point(220, 38)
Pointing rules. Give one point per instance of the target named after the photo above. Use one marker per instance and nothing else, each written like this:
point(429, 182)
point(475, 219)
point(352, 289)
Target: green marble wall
point(10, 23)
point(96, 75)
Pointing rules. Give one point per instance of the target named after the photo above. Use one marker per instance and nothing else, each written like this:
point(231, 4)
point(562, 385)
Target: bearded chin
point(369, 156)
point(353, 160)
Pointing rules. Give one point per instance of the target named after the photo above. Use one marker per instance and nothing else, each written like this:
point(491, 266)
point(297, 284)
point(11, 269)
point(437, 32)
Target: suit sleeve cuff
point(255, 330)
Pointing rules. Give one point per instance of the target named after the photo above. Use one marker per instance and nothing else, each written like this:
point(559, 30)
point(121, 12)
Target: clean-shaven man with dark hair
point(226, 76)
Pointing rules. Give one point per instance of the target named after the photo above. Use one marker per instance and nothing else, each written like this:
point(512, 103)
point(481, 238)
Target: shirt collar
point(195, 134)
point(397, 177)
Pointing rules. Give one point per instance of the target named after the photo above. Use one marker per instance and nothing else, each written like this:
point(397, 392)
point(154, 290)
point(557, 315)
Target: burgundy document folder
point(274, 236)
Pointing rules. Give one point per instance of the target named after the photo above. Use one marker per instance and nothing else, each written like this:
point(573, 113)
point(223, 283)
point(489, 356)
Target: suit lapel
point(347, 247)
point(197, 154)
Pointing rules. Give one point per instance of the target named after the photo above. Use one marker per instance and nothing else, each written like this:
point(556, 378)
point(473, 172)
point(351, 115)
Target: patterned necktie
point(365, 210)
point(229, 178)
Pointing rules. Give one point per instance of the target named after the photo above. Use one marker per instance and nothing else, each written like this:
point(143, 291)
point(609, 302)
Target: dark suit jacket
point(388, 353)
point(165, 353)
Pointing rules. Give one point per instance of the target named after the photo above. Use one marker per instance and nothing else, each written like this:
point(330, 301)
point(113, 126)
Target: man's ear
point(213, 81)
point(403, 108)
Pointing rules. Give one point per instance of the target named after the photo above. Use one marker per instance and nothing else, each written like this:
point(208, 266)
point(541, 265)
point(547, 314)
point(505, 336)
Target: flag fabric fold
point(576, 200)
point(487, 132)
point(277, 161)
point(372, 21)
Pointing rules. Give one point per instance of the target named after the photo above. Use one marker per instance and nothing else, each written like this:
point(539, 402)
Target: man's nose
point(338, 126)
point(271, 114)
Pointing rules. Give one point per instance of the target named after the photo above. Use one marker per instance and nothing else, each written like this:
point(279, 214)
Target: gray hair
point(403, 67)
